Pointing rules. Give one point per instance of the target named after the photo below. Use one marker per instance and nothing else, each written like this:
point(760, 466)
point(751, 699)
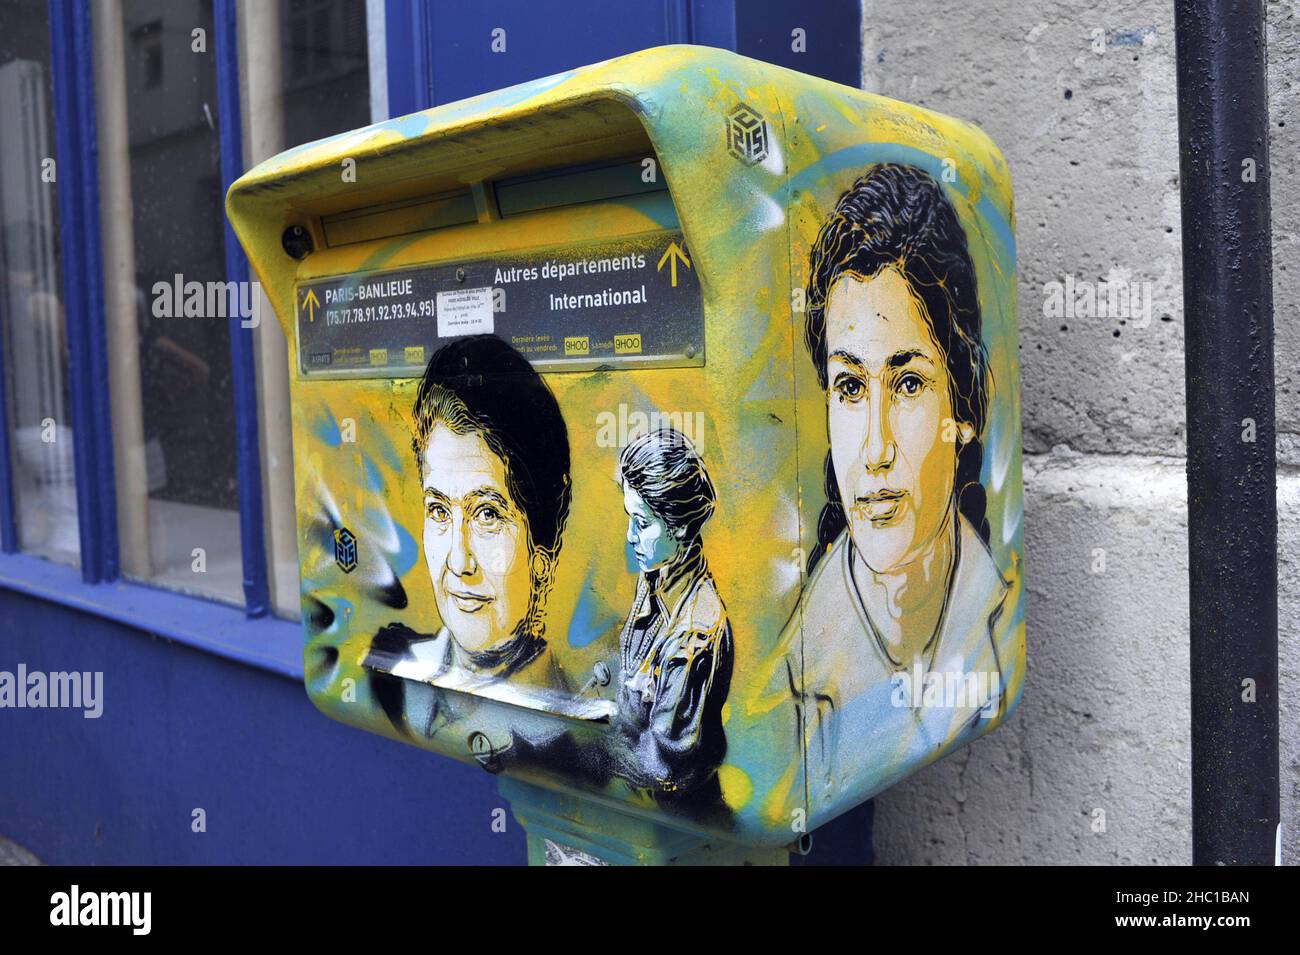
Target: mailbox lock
point(483, 750)
point(296, 242)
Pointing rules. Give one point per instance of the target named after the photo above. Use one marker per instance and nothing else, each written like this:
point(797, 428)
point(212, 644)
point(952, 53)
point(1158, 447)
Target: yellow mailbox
point(656, 443)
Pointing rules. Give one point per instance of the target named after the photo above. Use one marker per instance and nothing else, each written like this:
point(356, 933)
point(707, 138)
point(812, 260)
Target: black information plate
point(623, 303)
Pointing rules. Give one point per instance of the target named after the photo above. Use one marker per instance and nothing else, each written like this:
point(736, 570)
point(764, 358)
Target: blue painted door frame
point(441, 50)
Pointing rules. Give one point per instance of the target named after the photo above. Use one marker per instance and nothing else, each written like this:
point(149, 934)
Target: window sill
point(267, 642)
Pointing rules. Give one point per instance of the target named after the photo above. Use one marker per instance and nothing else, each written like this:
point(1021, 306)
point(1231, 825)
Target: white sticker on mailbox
point(465, 312)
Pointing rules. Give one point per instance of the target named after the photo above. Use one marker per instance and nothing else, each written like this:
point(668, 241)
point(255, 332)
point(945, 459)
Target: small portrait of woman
point(676, 647)
point(902, 583)
point(492, 453)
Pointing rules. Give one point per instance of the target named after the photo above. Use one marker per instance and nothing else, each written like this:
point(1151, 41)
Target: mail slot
point(656, 443)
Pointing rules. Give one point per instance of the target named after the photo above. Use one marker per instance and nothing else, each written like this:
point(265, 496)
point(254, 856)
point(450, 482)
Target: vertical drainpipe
point(1231, 463)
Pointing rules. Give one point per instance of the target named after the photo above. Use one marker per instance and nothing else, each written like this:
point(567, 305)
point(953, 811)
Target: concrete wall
point(1088, 122)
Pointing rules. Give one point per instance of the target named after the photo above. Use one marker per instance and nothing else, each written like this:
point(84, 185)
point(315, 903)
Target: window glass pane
point(31, 293)
point(169, 337)
point(324, 69)
point(305, 76)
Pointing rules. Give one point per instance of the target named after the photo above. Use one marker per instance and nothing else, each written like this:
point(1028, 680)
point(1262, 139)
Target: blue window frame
point(76, 146)
point(246, 635)
point(248, 464)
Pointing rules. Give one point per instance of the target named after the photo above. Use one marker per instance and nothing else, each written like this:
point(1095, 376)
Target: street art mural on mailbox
point(704, 501)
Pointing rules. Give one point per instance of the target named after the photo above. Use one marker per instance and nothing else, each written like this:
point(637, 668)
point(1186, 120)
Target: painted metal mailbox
point(656, 442)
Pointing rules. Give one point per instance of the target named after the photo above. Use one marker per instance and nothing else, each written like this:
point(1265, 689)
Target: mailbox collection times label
point(615, 304)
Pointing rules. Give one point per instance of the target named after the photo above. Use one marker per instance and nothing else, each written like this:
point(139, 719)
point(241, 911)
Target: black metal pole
point(1231, 463)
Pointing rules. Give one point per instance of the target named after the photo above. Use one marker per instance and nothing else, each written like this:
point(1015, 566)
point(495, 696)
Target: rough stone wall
point(1081, 98)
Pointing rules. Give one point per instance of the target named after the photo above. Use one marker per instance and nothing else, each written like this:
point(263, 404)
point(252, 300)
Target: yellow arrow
point(671, 255)
point(311, 303)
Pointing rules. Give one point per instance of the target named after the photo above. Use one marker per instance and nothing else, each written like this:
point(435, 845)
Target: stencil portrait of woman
point(676, 645)
point(903, 591)
point(492, 455)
